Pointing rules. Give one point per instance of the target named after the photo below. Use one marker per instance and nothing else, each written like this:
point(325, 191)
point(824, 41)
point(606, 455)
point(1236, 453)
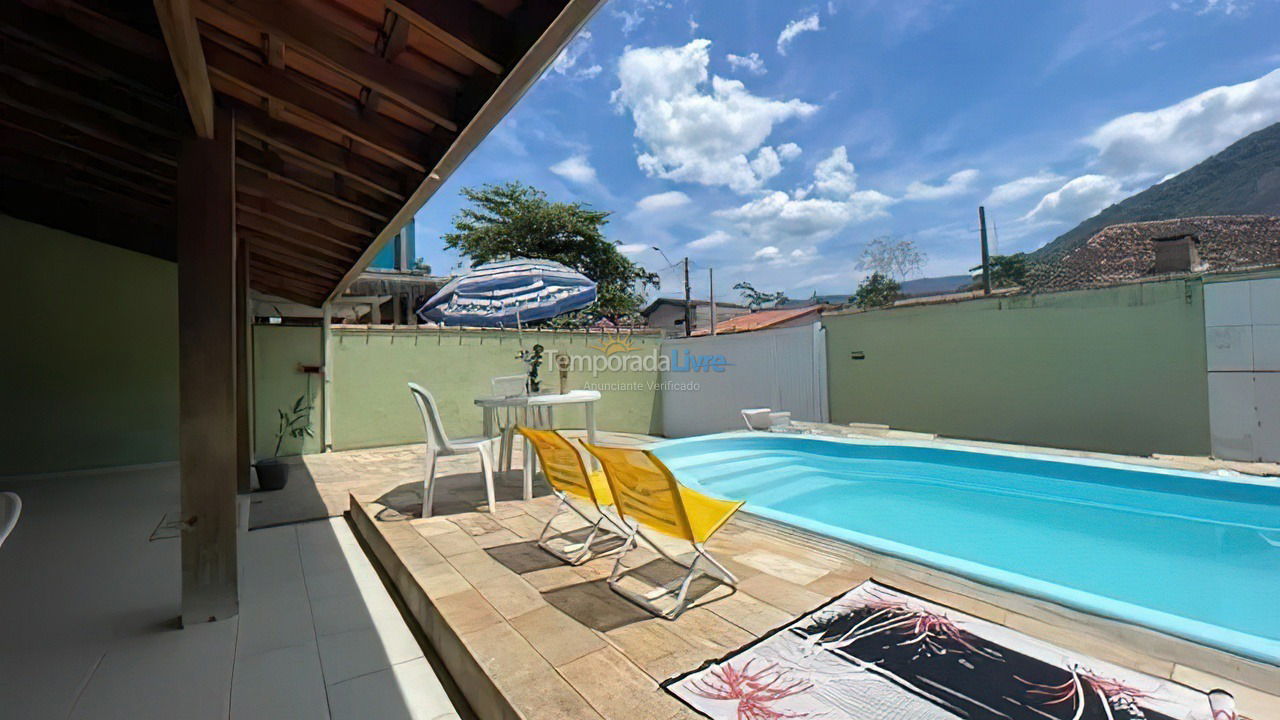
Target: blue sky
point(771, 140)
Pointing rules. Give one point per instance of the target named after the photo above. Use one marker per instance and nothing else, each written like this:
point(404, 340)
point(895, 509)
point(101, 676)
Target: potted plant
point(273, 474)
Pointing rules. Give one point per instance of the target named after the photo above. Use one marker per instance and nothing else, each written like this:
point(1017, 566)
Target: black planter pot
point(272, 474)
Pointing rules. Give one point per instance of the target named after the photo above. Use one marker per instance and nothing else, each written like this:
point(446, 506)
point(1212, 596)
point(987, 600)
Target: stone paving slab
point(552, 641)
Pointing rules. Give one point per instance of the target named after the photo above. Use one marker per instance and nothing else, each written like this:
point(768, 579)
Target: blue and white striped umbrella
point(508, 293)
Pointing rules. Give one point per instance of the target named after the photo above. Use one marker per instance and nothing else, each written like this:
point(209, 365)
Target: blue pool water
point(1187, 554)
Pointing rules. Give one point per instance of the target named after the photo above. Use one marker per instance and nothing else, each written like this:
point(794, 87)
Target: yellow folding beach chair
point(646, 493)
point(568, 476)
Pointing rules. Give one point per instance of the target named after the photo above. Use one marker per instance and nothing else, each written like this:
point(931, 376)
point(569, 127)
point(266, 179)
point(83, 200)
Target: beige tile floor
point(553, 641)
point(551, 637)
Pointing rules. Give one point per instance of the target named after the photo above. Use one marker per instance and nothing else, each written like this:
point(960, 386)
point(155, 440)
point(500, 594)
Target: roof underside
point(348, 114)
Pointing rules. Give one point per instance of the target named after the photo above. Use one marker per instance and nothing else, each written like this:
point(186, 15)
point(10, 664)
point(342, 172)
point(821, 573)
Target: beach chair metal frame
point(681, 527)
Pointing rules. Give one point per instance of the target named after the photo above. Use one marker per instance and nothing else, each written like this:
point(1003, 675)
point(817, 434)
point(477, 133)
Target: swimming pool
point(1187, 554)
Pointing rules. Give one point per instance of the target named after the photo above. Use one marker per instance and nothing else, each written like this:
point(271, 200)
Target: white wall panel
point(1266, 390)
point(1266, 348)
point(1226, 303)
point(782, 369)
point(1229, 347)
point(1264, 300)
point(1233, 417)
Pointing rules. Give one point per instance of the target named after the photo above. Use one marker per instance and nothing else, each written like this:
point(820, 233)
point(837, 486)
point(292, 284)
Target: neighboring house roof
point(763, 319)
point(679, 302)
point(1126, 252)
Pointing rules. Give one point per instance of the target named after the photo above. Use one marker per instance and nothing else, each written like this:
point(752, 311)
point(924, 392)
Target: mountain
point(935, 285)
point(1243, 179)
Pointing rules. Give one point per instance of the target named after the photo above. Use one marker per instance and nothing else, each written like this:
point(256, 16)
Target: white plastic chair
point(506, 386)
point(10, 509)
point(438, 443)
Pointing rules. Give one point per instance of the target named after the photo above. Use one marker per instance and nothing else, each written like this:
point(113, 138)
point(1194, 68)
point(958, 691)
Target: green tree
point(876, 290)
point(515, 220)
point(756, 299)
point(1008, 270)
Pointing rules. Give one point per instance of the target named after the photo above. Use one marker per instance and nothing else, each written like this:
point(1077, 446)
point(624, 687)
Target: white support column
point(326, 387)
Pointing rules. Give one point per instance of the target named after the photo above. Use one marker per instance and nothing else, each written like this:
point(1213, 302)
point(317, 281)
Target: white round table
point(491, 404)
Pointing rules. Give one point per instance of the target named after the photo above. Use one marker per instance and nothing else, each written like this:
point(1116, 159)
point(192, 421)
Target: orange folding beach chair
point(568, 477)
point(645, 493)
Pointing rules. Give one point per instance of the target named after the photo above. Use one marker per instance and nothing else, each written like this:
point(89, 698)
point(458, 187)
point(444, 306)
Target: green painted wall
point(277, 352)
point(89, 375)
point(1118, 369)
point(372, 405)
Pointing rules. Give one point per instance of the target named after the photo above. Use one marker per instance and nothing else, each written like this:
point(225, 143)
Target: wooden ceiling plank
point(253, 201)
point(88, 216)
point(38, 148)
point(34, 68)
point(56, 109)
point(463, 26)
point(267, 226)
point(62, 180)
point(293, 274)
point(58, 37)
point(290, 256)
point(318, 152)
point(272, 165)
point(182, 37)
point(257, 183)
point(306, 32)
point(284, 291)
point(404, 145)
point(52, 132)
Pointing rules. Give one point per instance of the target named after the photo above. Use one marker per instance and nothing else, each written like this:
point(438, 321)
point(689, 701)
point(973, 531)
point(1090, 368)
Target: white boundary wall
point(783, 369)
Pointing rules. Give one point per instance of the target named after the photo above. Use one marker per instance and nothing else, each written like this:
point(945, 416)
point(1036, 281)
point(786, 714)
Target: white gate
point(1242, 334)
point(783, 369)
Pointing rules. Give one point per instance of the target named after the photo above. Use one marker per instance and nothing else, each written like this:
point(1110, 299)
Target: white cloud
point(571, 61)
point(1176, 137)
point(715, 239)
point(694, 133)
point(813, 213)
point(957, 184)
point(1023, 187)
point(1076, 200)
point(661, 202)
point(1204, 7)
point(632, 248)
point(752, 63)
point(777, 258)
point(807, 24)
point(633, 12)
point(576, 168)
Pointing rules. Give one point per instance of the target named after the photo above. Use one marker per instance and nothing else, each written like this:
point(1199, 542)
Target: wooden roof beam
point(67, 43)
point(273, 286)
point(251, 201)
point(255, 182)
point(304, 31)
point(268, 227)
point(318, 152)
point(65, 111)
point(327, 188)
point(183, 39)
point(403, 144)
point(461, 25)
point(55, 133)
point(286, 255)
point(92, 215)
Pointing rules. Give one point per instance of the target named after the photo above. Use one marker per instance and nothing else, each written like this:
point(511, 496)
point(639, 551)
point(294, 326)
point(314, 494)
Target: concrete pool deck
point(525, 636)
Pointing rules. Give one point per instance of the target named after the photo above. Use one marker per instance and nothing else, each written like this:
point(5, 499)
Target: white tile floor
point(87, 606)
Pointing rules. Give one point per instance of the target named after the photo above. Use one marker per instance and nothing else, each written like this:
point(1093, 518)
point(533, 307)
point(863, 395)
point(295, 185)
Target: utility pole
point(986, 257)
point(688, 303)
point(711, 284)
